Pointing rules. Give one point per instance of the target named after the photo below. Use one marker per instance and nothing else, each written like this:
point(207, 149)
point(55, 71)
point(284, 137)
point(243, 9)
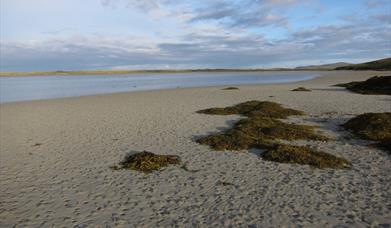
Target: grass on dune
point(381, 64)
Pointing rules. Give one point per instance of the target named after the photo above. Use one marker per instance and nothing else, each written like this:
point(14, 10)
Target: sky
point(41, 35)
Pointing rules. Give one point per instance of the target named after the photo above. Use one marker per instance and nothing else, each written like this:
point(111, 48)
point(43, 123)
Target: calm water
point(48, 87)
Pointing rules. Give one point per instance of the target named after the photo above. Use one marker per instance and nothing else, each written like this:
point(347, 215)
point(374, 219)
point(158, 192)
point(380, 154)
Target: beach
point(56, 157)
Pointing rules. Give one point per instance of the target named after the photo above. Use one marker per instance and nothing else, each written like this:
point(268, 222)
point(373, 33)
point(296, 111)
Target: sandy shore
point(55, 158)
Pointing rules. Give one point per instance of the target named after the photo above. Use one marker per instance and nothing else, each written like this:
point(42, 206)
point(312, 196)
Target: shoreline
point(315, 73)
point(321, 77)
point(56, 156)
point(132, 72)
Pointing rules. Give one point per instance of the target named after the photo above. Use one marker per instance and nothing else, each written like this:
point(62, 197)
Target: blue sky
point(172, 34)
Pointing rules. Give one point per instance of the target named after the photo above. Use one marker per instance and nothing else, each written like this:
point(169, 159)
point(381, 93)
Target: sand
point(56, 154)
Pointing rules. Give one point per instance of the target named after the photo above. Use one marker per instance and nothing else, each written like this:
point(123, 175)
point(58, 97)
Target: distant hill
point(331, 66)
point(382, 64)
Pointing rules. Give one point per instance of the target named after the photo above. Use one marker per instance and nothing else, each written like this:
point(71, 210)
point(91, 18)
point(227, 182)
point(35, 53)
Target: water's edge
point(15, 89)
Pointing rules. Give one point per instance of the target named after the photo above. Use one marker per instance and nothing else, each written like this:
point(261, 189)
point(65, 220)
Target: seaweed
point(262, 129)
point(372, 126)
point(231, 88)
point(376, 85)
point(384, 145)
point(304, 155)
point(254, 108)
point(301, 89)
point(146, 162)
point(259, 132)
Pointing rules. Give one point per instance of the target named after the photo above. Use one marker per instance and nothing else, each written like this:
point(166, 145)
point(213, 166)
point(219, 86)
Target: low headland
point(108, 72)
point(380, 65)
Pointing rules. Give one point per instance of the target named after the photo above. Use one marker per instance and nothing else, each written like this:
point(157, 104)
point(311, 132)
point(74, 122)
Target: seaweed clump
point(304, 155)
point(254, 108)
point(372, 126)
point(301, 89)
point(375, 85)
point(259, 132)
point(231, 88)
point(262, 129)
point(385, 145)
point(147, 162)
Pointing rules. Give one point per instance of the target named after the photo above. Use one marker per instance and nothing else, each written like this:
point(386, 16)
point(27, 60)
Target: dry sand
point(55, 158)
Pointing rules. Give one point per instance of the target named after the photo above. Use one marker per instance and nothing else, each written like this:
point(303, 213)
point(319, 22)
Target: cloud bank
point(206, 34)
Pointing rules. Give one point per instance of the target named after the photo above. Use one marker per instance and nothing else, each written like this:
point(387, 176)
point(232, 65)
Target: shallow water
point(48, 87)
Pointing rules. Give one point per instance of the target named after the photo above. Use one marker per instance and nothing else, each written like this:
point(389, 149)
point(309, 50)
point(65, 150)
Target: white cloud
point(198, 34)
